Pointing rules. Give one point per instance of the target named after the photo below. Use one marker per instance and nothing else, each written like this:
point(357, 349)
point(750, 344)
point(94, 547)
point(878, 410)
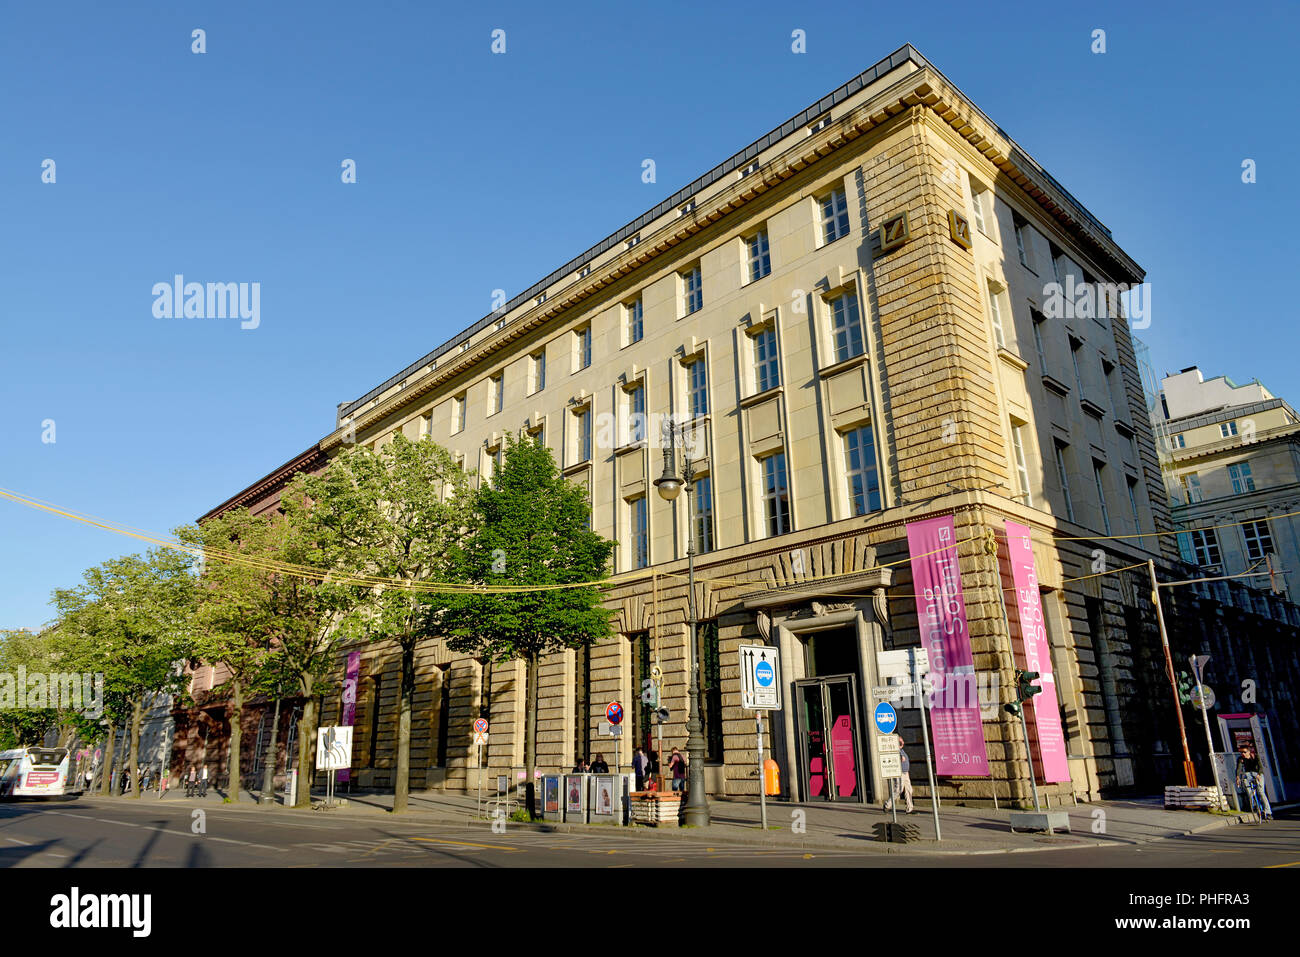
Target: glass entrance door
point(830, 739)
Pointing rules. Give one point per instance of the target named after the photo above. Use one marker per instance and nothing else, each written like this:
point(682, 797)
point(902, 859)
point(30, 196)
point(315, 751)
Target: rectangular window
point(760, 260)
point(767, 373)
point(692, 292)
point(496, 386)
point(539, 371)
point(979, 206)
point(458, 404)
point(1075, 346)
point(1022, 469)
point(699, 387)
point(1205, 546)
point(1259, 541)
point(1057, 266)
point(776, 495)
point(1179, 441)
point(1097, 468)
point(582, 704)
point(1022, 242)
point(863, 478)
point(583, 343)
point(703, 517)
point(1242, 480)
point(636, 429)
point(1228, 429)
point(995, 314)
point(640, 533)
point(444, 712)
point(1063, 475)
point(1036, 320)
point(1133, 501)
point(835, 216)
point(634, 326)
point(582, 425)
point(1191, 483)
point(848, 327)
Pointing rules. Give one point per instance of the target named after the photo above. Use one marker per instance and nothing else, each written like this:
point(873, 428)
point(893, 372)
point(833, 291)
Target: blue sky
point(478, 171)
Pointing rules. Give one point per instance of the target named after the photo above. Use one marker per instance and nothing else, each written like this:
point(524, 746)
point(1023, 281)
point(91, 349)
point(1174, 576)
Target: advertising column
point(941, 613)
point(1044, 716)
point(350, 701)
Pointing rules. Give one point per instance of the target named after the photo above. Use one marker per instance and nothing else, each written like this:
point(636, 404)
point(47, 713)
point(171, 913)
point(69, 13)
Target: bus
point(33, 772)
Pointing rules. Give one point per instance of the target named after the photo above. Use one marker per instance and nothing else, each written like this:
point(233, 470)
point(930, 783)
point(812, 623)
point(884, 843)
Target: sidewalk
point(965, 830)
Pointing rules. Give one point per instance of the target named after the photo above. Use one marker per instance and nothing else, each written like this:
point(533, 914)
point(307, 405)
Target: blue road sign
point(886, 717)
point(764, 674)
point(614, 712)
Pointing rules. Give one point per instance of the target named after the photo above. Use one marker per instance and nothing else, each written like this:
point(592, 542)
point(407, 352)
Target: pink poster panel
point(1044, 718)
point(941, 612)
point(350, 700)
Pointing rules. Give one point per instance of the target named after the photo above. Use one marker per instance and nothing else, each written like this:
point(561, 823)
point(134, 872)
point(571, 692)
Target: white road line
point(15, 840)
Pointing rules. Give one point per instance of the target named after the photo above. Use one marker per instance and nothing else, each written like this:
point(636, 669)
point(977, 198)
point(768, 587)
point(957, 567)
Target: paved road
point(124, 833)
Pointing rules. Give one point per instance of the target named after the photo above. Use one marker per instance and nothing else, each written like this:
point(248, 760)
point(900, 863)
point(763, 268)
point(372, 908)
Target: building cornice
point(303, 462)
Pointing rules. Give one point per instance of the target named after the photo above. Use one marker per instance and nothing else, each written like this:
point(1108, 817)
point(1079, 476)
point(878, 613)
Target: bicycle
point(1252, 794)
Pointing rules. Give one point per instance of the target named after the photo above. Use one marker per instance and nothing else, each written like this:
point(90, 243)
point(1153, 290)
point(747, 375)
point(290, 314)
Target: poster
point(350, 701)
point(551, 795)
point(573, 803)
point(1043, 717)
point(941, 614)
point(604, 796)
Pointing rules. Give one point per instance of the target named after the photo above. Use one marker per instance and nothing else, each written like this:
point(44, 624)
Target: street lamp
point(669, 486)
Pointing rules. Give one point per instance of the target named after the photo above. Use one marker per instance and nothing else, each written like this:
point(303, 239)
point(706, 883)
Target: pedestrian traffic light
point(1184, 687)
point(1012, 708)
point(1025, 687)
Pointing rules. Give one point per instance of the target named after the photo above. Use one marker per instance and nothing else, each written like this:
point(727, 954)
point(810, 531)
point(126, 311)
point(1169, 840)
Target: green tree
point(32, 652)
point(529, 527)
point(394, 514)
point(131, 619)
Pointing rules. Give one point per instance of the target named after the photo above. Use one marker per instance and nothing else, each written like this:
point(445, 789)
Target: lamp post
point(669, 485)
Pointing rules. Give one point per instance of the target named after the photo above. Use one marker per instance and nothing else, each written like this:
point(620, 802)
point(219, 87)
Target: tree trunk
point(268, 773)
point(236, 712)
point(530, 739)
point(106, 766)
point(137, 712)
point(306, 746)
point(402, 787)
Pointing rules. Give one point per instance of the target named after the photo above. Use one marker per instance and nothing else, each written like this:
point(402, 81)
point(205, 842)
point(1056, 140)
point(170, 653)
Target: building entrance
point(830, 739)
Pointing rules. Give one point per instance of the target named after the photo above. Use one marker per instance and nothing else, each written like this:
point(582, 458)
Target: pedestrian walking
point(677, 766)
point(639, 764)
point(901, 785)
point(162, 783)
point(191, 781)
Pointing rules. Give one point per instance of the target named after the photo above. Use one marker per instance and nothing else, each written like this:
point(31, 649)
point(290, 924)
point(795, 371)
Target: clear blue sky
point(478, 171)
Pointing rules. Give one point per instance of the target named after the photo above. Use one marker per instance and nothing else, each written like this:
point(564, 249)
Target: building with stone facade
point(1233, 461)
point(858, 320)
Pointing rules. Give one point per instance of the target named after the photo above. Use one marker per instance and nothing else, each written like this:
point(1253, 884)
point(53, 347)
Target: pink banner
point(1044, 714)
point(941, 613)
point(350, 700)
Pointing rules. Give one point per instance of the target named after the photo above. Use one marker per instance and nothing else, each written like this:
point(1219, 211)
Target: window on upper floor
point(1178, 441)
point(698, 386)
point(496, 393)
point(537, 370)
point(981, 201)
point(1036, 321)
point(636, 422)
point(1191, 483)
point(703, 515)
point(1259, 540)
point(861, 471)
point(1227, 429)
point(1075, 346)
point(760, 257)
point(1132, 484)
point(692, 291)
point(776, 495)
point(995, 315)
point(1061, 450)
point(1205, 546)
point(835, 216)
point(1023, 246)
point(633, 313)
point(458, 404)
point(582, 347)
point(846, 324)
point(582, 435)
point(640, 527)
point(1242, 480)
point(1099, 476)
point(1022, 467)
point(767, 369)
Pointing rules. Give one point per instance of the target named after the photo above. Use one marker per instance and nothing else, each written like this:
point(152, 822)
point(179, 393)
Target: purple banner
point(350, 700)
point(941, 612)
point(1044, 715)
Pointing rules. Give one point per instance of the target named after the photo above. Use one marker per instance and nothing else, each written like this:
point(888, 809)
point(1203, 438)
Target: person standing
point(639, 765)
point(203, 782)
point(598, 766)
point(677, 766)
point(191, 782)
point(901, 785)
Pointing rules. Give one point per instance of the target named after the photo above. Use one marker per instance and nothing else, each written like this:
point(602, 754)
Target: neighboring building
point(858, 320)
point(1233, 456)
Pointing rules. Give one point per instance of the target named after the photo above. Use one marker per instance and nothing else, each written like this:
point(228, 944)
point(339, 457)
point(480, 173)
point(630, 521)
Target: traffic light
point(1025, 687)
point(1184, 687)
point(1012, 708)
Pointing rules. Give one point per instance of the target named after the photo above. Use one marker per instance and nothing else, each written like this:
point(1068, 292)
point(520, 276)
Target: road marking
point(16, 841)
point(1291, 864)
point(495, 847)
point(110, 821)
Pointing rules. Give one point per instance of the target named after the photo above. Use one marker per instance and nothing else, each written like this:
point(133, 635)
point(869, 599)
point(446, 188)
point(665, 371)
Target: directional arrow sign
point(760, 678)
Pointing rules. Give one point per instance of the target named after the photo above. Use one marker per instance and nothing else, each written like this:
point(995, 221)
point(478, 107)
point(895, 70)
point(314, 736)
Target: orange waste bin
point(771, 777)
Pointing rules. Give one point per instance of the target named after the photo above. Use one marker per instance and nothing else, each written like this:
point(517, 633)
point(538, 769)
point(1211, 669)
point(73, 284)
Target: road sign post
point(760, 690)
point(1203, 697)
point(480, 739)
point(762, 780)
point(921, 665)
